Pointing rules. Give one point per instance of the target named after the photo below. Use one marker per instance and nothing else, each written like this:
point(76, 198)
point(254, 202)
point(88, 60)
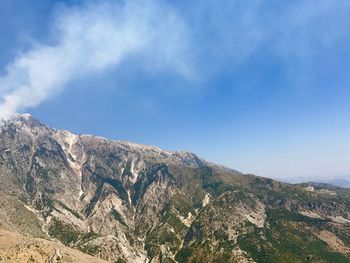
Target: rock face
point(125, 202)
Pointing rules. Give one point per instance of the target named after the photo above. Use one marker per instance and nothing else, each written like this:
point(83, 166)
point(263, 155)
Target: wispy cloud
point(189, 37)
point(292, 31)
point(90, 39)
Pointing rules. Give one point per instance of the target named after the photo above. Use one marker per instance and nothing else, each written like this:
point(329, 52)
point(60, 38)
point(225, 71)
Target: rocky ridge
point(126, 202)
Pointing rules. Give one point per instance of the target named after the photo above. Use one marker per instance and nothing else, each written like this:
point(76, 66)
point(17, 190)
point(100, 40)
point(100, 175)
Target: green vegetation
point(287, 240)
point(89, 249)
point(184, 254)
point(69, 209)
point(277, 215)
point(118, 217)
point(169, 216)
point(161, 236)
point(64, 232)
point(182, 204)
point(87, 237)
point(170, 233)
point(70, 237)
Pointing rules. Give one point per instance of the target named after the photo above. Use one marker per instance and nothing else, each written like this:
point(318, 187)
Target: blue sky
point(259, 86)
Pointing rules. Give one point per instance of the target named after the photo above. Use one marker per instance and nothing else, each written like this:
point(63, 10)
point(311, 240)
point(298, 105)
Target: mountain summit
point(126, 202)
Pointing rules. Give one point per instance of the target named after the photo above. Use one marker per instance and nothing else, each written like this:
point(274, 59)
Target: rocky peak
point(27, 123)
point(23, 122)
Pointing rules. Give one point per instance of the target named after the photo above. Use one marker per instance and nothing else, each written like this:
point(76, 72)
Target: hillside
point(125, 202)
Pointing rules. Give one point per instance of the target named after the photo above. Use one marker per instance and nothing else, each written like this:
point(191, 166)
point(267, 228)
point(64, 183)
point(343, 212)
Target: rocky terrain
point(64, 196)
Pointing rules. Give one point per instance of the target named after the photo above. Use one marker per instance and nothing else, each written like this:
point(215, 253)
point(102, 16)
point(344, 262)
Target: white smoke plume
point(90, 39)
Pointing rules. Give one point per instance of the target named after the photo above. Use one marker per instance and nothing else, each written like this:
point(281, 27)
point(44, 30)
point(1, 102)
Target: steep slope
point(127, 202)
point(15, 248)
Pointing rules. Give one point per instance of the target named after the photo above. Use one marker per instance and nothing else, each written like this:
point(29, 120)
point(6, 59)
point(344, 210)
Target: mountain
point(126, 202)
point(340, 181)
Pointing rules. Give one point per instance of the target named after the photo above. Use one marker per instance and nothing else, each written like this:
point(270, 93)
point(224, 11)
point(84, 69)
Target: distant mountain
point(126, 202)
point(341, 181)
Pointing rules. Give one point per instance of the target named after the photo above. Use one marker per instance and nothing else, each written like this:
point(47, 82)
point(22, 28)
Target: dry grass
point(15, 247)
point(334, 242)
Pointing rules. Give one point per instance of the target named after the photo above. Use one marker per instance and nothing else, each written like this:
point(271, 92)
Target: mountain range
point(83, 198)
